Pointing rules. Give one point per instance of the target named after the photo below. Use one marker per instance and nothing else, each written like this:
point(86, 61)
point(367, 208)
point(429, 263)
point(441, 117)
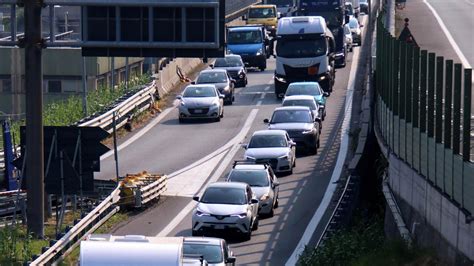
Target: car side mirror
point(266, 121)
point(244, 17)
point(233, 81)
point(254, 201)
point(221, 96)
point(292, 143)
point(193, 82)
point(231, 260)
point(276, 184)
point(196, 198)
point(244, 145)
point(211, 65)
point(179, 97)
point(317, 119)
point(326, 94)
point(279, 15)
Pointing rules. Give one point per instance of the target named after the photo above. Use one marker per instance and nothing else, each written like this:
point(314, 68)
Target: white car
point(226, 206)
point(201, 101)
point(262, 180)
point(348, 38)
point(214, 251)
point(273, 147)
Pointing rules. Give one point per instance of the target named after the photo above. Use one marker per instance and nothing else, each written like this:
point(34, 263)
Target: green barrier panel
point(457, 178)
point(457, 108)
point(402, 132)
point(416, 87)
point(424, 154)
point(416, 149)
point(448, 172)
point(440, 165)
point(448, 95)
point(466, 150)
point(423, 89)
point(439, 99)
point(432, 160)
point(409, 144)
point(469, 187)
point(396, 135)
point(431, 93)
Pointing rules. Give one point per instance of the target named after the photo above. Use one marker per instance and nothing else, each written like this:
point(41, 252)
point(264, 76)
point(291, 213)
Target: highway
point(197, 153)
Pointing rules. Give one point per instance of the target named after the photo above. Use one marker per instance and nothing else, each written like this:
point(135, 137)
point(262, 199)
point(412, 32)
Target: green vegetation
point(364, 244)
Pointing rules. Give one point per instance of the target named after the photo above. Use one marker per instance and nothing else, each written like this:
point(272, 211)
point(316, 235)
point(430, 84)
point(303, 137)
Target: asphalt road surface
point(194, 154)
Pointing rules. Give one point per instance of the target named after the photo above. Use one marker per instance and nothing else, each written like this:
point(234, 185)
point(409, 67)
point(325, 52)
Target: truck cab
point(251, 43)
point(266, 15)
point(304, 52)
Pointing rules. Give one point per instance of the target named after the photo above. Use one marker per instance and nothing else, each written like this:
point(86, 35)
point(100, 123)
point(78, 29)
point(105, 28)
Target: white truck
point(304, 52)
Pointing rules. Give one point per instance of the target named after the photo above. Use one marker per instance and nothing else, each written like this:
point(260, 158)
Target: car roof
point(201, 85)
point(292, 108)
point(213, 70)
point(231, 55)
point(299, 97)
point(245, 28)
point(203, 240)
point(304, 83)
point(262, 6)
point(240, 185)
point(250, 167)
point(269, 132)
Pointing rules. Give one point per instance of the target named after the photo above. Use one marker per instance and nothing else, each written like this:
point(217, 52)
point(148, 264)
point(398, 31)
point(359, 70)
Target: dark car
point(235, 67)
point(221, 79)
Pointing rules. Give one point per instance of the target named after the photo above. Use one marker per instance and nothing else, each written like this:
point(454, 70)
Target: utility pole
point(34, 118)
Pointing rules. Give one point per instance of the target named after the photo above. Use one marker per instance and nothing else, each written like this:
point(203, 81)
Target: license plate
point(198, 111)
point(219, 226)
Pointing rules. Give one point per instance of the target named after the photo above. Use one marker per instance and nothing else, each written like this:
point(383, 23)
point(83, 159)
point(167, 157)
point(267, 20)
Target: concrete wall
point(433, 220)
point(167, 77)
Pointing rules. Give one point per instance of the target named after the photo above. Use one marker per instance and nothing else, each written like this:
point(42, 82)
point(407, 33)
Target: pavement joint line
point(259, 103)
point(448, 35)
point(267, 88)
point(217, 173)
point(336, 174)
point(262, 96)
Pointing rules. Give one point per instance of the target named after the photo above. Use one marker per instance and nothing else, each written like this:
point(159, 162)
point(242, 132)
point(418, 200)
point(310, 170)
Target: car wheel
point(314, 149)
point(271, 213)
point(277, 203)
point(255, 224)
point(247, 236)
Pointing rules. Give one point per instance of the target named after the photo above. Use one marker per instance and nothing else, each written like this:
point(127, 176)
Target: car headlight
point(280, 79)
point(250, 158)
point(259, 52)
point(322, 78)
point(201, 213)
point(183, 103)
point(264, 197)
point(311, 131)
point(240, 215)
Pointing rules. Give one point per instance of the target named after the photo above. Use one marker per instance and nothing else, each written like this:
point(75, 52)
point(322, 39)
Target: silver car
point(221, 79)
point(214, 251)
point(201, 101)
point(226, 206)
point(262, 180)
point(308, 101)
point(273, 147)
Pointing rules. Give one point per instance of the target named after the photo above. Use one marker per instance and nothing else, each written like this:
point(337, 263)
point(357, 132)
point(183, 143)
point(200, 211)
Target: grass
point(364, 244)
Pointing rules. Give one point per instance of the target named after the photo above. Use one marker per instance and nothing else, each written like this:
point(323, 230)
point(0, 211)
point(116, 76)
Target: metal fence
point(423, 111)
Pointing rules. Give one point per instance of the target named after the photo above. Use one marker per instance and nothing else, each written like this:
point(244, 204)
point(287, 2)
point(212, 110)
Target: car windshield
point(353, 24)
point(290, 48)
point(231, 61)
point(200, 92)
point(224, 195)
point(363, 1)
point(210, 253)
point(280, 3)
point(244, 37)
point(303, 89)
point(212, 77)
point(262, 12)
point(291, 116)
point(267, 141)
point(255, 178)
point(349, 10)
point(308, 103)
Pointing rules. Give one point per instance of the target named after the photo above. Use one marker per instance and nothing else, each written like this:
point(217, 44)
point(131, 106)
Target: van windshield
point(290, 48)
point(262, 12)
point(244, 37)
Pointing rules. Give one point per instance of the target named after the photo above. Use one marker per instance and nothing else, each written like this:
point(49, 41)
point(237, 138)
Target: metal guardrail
point(99, 215)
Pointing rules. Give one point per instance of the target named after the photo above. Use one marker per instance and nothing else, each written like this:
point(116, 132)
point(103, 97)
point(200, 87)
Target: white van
point(103, 250)
point(304, 52)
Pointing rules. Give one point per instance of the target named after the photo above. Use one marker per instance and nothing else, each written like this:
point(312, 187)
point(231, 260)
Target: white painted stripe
point(449, 36)
point(262, 96)
point(267, 88)
point(336, 174)
point(219, 171)
point(259, 103)
point(140, 133)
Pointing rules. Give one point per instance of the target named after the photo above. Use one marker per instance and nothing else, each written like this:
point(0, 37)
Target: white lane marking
point(140, 133)
point(236, 139)
point(259, 103)
point(267, 88)
point(223, 165)
point(449, 36)
point(336, 174)
point(262, 96)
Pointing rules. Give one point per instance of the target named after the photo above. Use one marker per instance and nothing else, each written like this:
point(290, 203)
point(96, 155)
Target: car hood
point(291, 126)
point(259, 153)
point(244, 48)
point(221, 209)
point(260, 191)
point(230, 68)
point(193, 102)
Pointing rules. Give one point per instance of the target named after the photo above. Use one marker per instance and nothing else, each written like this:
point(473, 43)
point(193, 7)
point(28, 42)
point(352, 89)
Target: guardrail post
point(138, 197)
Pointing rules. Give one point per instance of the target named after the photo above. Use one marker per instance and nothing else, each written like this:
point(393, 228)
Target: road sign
point(72, 154)
point(159, 28)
